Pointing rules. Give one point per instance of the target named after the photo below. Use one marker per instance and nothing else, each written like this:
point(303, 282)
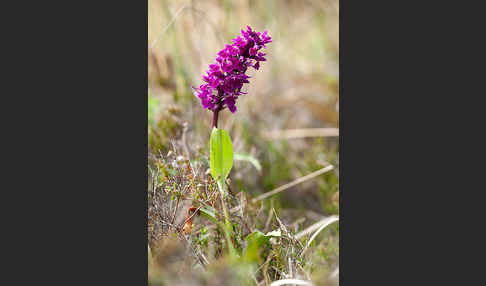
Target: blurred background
point(289, 119)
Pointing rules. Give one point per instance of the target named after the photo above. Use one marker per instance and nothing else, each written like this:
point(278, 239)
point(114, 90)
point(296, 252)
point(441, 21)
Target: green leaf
point(255, 241)
point(221, 154)
point(208, 212)
point(248, 158)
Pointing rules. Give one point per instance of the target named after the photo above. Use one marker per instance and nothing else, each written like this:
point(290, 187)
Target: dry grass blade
point(285, 231)
point(269, 220)
point(315, 226)
point(328, 221)
point(150, 258)
point(291, 184)
point(168, 25)
point(303, 271)
point(291, 272)
point(291, 281)
point(301, 133)
point(195, 252)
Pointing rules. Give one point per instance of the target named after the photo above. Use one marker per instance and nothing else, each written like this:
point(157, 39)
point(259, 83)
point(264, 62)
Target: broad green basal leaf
point(221, 154)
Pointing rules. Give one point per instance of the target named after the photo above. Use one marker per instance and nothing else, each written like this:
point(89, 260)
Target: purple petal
point(230, 102)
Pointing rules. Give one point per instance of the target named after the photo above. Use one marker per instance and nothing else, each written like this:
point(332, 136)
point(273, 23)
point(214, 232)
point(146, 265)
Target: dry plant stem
point(175, 211)
point(168, 25)
point(153, 186)
point(287, 186)
point(291, 274)
point(316, 226)
point(328, 221)
point(305, 272)
point(196, 254)
point(291, 184)
point(269, 219)
point(269, 257)
point(265, 274)
point(184, 143)
point(150, 258)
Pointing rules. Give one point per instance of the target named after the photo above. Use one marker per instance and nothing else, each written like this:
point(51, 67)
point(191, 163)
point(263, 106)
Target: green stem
point(227, 229)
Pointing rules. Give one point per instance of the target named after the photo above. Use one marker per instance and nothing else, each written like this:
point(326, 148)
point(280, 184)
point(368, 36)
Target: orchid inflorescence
point(226, 77)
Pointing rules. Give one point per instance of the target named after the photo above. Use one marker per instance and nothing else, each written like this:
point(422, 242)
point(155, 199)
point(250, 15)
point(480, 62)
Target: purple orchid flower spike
point(225, 78)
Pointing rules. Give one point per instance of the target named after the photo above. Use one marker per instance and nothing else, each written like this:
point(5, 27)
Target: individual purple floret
point(226, 77)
